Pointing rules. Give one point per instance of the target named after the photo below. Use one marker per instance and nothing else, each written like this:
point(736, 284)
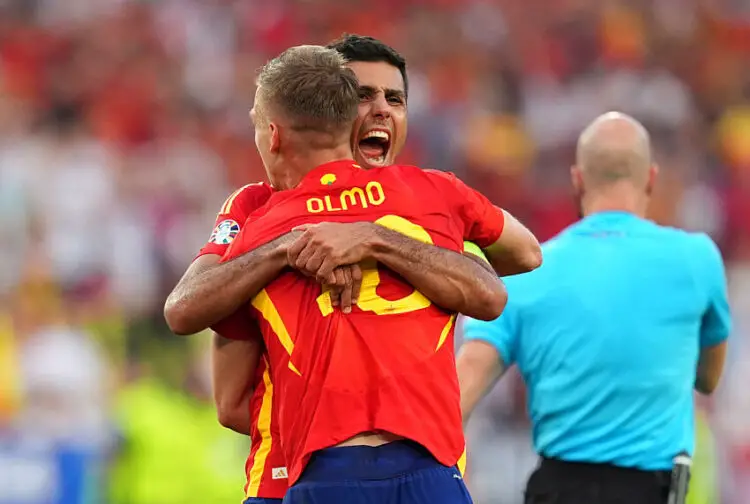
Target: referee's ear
point(653, 172)
point(576, 179)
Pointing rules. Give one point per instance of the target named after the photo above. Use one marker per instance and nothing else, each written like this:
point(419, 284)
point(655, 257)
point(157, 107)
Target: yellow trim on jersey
point(264, 427)
point(262, 302)
point(446, 330)
point(227, 206)
point(325, 303)
point(461, 464)
point(228, 202)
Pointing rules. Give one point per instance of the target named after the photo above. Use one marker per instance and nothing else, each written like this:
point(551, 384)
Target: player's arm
point(510, 247)
point(234, 363)
point(716, 322)
point(487, 352)
point(448, 279)
point(516, 250)
point(211, 290)
point(192, 306)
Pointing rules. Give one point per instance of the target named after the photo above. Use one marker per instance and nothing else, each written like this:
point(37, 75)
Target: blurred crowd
point(123, 126)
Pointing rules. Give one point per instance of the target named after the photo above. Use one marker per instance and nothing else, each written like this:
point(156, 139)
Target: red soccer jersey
point(389, 365)
point(265, 468)
point(233, 214)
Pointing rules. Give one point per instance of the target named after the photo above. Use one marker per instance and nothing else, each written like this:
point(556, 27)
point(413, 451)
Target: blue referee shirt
point(606, 334)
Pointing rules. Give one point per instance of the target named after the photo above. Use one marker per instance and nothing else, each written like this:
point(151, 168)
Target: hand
point(324, 247)
point(345, 290)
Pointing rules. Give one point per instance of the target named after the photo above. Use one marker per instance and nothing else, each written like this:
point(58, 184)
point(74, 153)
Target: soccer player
point(383, 95)
point(209, 291)
point(368, 403)
point(611, 335)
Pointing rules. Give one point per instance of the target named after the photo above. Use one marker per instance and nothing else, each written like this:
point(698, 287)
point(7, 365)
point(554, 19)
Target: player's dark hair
point(312, 87)
point(362, 48)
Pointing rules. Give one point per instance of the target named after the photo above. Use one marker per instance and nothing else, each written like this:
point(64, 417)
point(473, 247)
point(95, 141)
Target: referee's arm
point(487, 352)
point(716, 322)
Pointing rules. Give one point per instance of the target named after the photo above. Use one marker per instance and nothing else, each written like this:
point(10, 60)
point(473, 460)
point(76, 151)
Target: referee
point(611, 334)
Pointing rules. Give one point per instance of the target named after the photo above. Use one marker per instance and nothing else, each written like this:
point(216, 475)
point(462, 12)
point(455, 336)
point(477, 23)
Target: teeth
point(378, 134)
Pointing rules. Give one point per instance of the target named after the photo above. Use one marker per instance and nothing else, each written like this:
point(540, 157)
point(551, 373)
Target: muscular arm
point(448, 279)
point(479, 366)
point(234, 363)
point(210, 291)
point(516, 251)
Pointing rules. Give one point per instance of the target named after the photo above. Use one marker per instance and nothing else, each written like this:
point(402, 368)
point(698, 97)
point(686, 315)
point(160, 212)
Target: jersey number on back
point(369, 300)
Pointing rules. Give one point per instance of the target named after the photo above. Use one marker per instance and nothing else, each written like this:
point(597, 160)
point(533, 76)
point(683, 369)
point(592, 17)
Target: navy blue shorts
point(260, 500)
point(401, 472)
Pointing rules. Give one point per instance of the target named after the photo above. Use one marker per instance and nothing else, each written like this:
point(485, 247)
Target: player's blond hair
point(311, 88)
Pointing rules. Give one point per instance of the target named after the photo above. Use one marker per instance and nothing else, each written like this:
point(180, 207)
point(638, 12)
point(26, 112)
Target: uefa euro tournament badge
point(225, 232)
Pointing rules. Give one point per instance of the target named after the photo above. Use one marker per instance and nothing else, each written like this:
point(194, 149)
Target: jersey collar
point(611, 215)
point(325, 174)
point(608, 219)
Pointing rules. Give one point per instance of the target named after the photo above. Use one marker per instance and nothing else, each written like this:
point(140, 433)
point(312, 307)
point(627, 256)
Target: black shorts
point(558, 482)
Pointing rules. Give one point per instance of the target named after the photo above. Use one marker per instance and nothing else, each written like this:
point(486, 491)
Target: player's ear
point(275, 138)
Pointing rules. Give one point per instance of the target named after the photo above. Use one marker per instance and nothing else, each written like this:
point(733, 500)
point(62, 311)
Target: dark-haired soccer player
point(242, 385)
point(368, 402)
point(379, 131)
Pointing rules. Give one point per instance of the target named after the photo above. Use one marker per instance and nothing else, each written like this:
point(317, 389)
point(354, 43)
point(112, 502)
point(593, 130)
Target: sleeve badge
point(225, 232)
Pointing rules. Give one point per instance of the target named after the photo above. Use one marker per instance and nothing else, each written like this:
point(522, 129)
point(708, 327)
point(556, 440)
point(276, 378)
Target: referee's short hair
point(311, 88)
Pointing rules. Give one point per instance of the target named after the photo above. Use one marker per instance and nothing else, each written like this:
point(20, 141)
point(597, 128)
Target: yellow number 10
point(368, 296)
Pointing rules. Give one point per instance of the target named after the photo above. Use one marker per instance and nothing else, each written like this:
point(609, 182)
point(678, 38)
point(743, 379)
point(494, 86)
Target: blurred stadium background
point(123, 126)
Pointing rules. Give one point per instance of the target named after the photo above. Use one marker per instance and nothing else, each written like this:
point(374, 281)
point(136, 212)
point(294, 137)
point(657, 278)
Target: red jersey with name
point(265, 468)
point(235, 210)
point(389, 365)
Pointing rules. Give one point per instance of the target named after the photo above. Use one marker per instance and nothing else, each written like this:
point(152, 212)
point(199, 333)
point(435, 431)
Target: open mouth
point(374, 147)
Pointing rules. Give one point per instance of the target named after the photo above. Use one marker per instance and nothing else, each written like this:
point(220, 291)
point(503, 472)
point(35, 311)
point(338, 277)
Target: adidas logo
point(279, 473)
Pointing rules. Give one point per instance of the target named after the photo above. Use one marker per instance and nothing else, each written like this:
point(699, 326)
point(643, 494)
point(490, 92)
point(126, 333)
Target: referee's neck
point(615, 201)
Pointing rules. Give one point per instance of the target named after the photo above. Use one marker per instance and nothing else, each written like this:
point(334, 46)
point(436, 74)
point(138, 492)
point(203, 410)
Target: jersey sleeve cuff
point(713, 338)
point(495, 223)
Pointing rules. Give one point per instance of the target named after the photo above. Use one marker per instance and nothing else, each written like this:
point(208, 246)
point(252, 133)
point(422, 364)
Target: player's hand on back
point(330, 252)
point(324, 247)
point(346, 286)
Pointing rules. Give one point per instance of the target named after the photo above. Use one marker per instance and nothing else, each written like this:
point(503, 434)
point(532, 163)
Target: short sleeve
point(717, 322)
point(238, 326)
point(483, 221)
point(249, 238)
point(501, 333)
point(232, 216)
